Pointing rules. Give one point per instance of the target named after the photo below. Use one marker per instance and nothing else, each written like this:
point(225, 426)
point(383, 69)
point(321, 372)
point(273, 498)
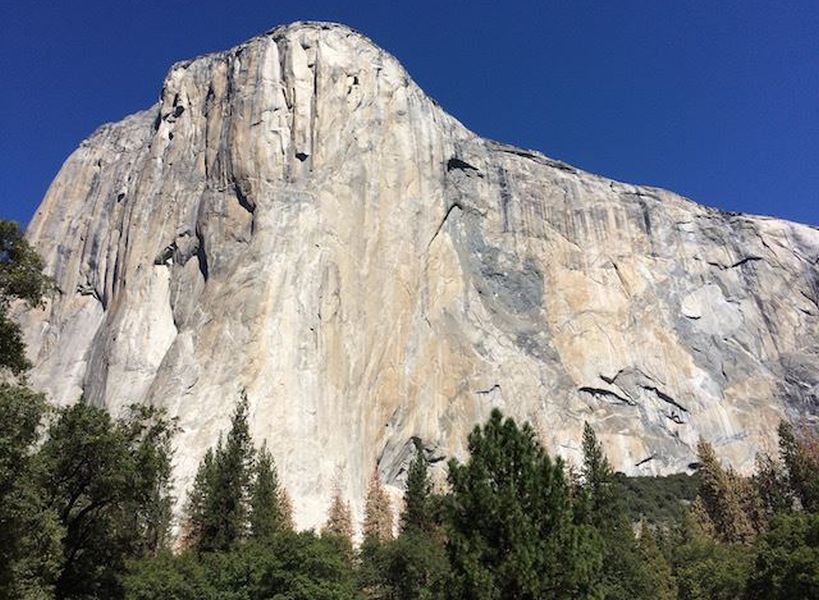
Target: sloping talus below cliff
point(297, 218)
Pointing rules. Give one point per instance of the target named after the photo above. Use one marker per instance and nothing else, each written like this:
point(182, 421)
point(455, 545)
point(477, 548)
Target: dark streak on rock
point(457, 163)
point(664, 397)
point(201, 255)
point(443, 221)
point(489, 390)
point(738, 263)
point(244, 201)
point(601, 392)
point(505, 197)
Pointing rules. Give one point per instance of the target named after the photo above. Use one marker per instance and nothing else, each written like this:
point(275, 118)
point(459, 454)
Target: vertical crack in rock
point(201, 255)
point(504, 196)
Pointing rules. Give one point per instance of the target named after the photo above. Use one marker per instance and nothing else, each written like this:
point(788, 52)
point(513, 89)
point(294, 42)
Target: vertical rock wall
point(297, 218)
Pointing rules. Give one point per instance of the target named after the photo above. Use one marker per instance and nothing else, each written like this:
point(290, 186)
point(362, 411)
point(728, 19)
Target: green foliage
point(709, 570)
point(511, 531)
point(219, 504)
point(601, 506)
point(21, 278)
point(289, 566)
point(657, 579)
point(726, 500)
point(770, 482)
point(417, 510)
point(21, 411)
point(659, 500)
point(598, 481)
point(266, 514)
point(150, 433)
point(108, 483)
point(787, 560)
point(167, 577)
point(801, 458)
point(415, 566)
point(87, 516)
point(30, 535)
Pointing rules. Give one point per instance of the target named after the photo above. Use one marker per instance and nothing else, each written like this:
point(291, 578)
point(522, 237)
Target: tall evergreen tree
point(597, 479)
point(600, 505)
point(416, 515)
point(151, 433)
point(286, 508)
point(339, 519)
point(511, 529)
point(722, 499)
point(266, 517)
point(378, 515)
point(770, 482)
point(201, 523)
point(219, 507)
point(801, 459)
point(657, 579)
point(415, 566)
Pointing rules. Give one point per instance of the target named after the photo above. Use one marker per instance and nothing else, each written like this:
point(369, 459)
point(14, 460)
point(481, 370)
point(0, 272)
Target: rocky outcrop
point(297, 218)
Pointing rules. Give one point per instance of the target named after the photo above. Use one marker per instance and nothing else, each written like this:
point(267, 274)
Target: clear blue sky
point(716, 100)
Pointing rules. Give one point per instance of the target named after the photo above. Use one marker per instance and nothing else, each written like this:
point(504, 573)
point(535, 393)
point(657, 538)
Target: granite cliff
point(297, 218)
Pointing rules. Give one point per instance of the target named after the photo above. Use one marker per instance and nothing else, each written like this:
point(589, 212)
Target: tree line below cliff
point(85, 512)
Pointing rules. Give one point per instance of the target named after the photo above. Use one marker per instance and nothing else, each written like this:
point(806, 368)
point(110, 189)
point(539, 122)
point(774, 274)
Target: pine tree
point(602, 507)
point(378, 516)
point(266, 518)
point(597, 479)
point(286, 508)
point(339, 518)
point(511, 530)
point(219, 512)
point(416, 515)
point(723, 499)
point(415, 565)
point(801, 459)
point(770, 482)
point(658, 579)
point(201, 520)
point(750, 504)
point(698, 522)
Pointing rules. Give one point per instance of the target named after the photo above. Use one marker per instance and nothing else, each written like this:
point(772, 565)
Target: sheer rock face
point(297, 218)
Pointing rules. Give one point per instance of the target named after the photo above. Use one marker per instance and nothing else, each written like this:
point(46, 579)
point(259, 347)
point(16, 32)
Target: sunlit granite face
point(295, 217)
